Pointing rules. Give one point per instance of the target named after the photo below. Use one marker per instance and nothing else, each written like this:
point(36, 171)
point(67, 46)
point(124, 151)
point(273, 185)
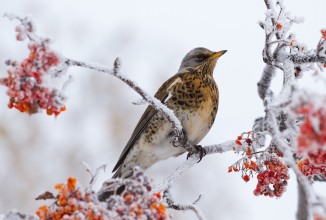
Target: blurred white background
point(152, 37)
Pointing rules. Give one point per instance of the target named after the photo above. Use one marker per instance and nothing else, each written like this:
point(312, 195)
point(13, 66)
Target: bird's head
point(201, 58)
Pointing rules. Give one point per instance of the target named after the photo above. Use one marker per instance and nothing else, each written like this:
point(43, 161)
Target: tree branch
point(180, 136)
point(303, 209)
point(186, 165)
point(307, 59)
point(171, 204)
point(265, 81)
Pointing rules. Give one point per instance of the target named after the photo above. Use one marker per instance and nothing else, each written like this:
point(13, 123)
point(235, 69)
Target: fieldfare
point(193, 96)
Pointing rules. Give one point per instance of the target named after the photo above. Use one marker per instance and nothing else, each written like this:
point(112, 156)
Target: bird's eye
point(200, 57)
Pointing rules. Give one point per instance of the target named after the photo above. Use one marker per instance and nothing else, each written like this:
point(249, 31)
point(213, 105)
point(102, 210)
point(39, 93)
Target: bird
point(193, 95)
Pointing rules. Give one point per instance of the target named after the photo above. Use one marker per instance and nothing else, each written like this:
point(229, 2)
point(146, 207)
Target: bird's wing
point(162, 94)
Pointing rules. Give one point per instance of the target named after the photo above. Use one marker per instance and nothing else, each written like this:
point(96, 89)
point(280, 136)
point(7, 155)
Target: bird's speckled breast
point(194, 100)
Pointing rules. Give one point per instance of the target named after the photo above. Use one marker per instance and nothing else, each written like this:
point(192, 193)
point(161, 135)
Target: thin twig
point(173, 205)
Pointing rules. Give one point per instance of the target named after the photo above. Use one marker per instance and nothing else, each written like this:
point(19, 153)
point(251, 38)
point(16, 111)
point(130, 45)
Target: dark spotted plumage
point(193, 96)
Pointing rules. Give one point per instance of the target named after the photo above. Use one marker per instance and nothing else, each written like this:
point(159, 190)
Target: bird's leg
point(198, 150)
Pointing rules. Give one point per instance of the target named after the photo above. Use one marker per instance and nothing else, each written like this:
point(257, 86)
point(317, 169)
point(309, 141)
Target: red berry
point(246, 178)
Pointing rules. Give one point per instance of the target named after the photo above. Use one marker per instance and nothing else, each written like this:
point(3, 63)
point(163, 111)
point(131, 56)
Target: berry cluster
point(26, 80)
point(323, 34)
point(273, 180)
point(310, 169)
point(247, 165)
point(272, 174)
point(243, 143)
point(311, 140)
point(119, 199)
point(73, 203)
point(319, 216)
point(132, 197)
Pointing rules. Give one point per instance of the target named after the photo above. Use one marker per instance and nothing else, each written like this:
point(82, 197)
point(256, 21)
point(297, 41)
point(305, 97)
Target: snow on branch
point(168, 113)
point(171, 204)
point(282, 51)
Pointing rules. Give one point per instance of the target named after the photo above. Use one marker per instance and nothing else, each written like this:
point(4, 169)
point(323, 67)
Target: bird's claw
point(199, 150)
point(179, 140)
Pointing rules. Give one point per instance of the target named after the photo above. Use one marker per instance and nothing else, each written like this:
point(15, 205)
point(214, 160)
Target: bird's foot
point(179, 140)
point(198, 150)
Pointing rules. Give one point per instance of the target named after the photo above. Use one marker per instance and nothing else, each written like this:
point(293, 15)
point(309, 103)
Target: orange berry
point(161, 209)
point(158, 195)
point(128, 198)
point(323, 33)
point(291, 43)
point(238, 142)
point(49, 112)
point(58, 186)
point(71, 183)
point(248, 151)
point(253, 165)
point(278, 26)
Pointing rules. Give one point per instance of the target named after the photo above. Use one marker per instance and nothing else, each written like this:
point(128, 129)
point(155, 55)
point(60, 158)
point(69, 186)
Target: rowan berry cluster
point(243, 143)
point(310, 169)
point(132, 197)
point(273, 180)
point(311, 140)
point(26, 81)
point(73, 203)
point(318, 216)
point(247, 165)
point(271, 173)
point(120, 200)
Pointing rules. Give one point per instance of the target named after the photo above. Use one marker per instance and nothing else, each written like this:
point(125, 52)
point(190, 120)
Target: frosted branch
point(173, 205)
point(186, 165)
point(303, 206)
point(166, 112)
point(292, 58)
point(265, 81)
point(307, 59)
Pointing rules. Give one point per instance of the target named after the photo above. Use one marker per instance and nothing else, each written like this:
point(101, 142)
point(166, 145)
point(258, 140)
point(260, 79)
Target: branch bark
point(307, 59)
point(303, 210)
point(265, 81)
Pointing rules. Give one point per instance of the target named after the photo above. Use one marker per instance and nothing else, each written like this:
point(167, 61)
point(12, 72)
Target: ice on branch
point(291, 122)
point(281, 45)
point(29, 82)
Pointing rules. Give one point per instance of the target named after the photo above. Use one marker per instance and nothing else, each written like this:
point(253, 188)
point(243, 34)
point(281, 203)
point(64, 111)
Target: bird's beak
point(218, 54)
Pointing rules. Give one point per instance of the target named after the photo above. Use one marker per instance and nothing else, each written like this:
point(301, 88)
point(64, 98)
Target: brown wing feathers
point(161, 95)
